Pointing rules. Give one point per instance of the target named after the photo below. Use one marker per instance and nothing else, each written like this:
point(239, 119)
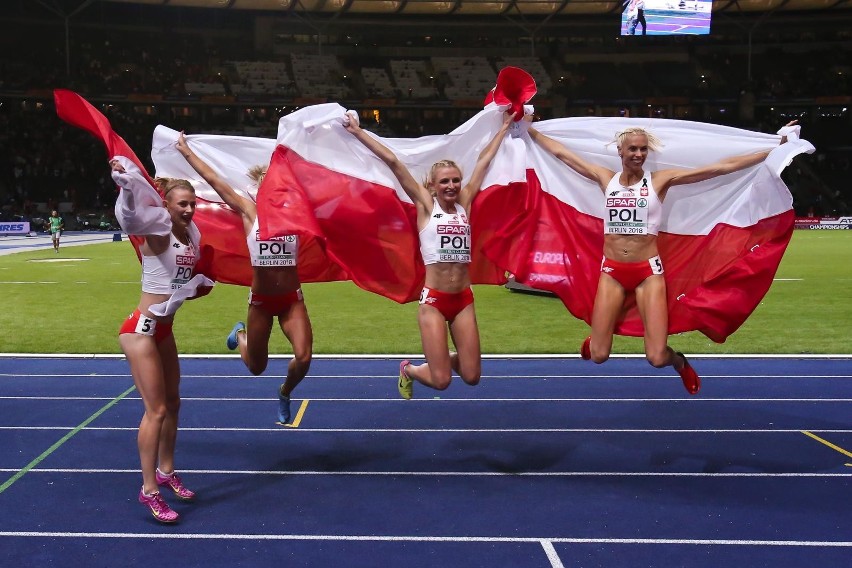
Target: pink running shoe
point(158, 507)
point(586, 349)
point(173, 481)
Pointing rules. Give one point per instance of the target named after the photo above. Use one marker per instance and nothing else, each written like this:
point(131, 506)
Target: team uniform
point(165, 273)
point(139, 211)
point(56, 224)
point(446, 238)
point(283, 251)
point(632, 210)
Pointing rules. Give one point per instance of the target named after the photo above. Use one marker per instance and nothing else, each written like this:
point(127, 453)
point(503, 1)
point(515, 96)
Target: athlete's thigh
point(145, 366)
point(296, 326)
point(465, 334)
point(609, 302)
point(433, 336)
point(653, 309)
point(258, 330)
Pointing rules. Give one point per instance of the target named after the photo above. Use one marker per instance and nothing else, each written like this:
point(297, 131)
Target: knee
point(303, 360)
point(471, 378)
point(599, 355)
point(441, 380)
point(659, 358)
point(157, 413)
point(257, 368)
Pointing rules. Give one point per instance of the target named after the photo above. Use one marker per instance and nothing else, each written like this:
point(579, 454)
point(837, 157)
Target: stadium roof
point(481, 7)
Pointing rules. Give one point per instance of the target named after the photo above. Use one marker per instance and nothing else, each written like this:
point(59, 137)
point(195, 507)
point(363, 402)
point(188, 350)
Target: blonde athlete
point(442, 204)
point(275, 289)
point(631, 262)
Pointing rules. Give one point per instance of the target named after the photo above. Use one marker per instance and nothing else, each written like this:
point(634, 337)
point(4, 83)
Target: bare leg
point(437, 371)
point(467, 362)
point(148, 376)
point(609, 301)
point(254, 343)
point(296, 326)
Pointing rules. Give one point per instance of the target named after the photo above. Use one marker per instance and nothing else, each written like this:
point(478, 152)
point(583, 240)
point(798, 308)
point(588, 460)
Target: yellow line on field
point(829, 444)
point(298, 419)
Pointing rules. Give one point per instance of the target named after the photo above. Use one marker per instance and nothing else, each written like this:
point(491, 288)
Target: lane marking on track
point(298, 419)
point(829, 444)
point(398, 400)
point(409, 473)
point(382, 378)
point(8, 483)
point(552, 556)
point(450, 430)
point(412, 538)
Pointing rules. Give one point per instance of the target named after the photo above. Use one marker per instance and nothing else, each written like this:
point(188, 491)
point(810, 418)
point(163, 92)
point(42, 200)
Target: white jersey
point(634, 210)
point(446, 238)
point(169, 271)
point(281, 251)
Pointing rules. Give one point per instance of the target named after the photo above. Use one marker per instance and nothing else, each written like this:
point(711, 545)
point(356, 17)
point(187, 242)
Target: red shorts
point(631, 274)
point(448, 304)
point(143, 325)
point(275, 304)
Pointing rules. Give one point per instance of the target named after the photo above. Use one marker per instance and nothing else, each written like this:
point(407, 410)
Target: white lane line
point(455, 430)
point(552, 556)
point(396, 399)
point(383, 377)
point(584, 474)
point(391, 538)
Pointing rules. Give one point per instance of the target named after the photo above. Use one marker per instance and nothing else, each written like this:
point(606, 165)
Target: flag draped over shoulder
point(720, 240)
point(361, 214)
point(138, 207)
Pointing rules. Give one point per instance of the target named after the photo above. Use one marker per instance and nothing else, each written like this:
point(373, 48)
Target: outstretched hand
point(116, 166)
point(182, 145)
point(791, 123)
point(351, 122)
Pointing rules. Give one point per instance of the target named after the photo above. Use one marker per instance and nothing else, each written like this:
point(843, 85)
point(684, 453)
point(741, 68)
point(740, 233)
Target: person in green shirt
point(56, 224)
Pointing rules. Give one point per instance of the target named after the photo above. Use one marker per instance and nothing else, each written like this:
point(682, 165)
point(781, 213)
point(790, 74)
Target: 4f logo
point(438, 215)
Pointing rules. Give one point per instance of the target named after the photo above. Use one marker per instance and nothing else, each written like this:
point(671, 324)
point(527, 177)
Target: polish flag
point(720, 241)
point(138, 192)
point(365, 220)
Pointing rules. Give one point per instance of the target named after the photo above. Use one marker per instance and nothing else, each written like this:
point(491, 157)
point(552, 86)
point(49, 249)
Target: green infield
point(75, 303)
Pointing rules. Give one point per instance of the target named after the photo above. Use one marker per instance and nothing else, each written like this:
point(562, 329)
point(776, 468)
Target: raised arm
point(664, 179)
point(593, 172)
point(235, 201)
point(474, 182)
point(418, 194)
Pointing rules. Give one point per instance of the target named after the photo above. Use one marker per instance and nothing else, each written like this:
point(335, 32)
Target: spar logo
point(621, 202)
point(183, 260)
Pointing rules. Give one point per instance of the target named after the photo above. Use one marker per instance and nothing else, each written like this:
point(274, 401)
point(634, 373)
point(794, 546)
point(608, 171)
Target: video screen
point(666, 17)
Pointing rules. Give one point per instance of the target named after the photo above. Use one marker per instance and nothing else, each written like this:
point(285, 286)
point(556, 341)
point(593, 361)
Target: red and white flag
point(365, 220)
point(721, 240)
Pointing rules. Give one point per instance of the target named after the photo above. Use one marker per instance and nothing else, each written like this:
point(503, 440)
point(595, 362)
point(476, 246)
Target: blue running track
point(547, 463)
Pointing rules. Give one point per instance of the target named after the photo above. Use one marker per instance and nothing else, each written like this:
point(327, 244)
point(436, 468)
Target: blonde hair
point(165, 185)
point(654, 143)
point(430, 177)
point(257, 173)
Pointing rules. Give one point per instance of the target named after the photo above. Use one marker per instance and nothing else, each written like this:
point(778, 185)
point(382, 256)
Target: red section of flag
point(357, 225)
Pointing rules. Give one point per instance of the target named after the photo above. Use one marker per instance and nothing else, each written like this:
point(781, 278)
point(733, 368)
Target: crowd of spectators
point(44, 163)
